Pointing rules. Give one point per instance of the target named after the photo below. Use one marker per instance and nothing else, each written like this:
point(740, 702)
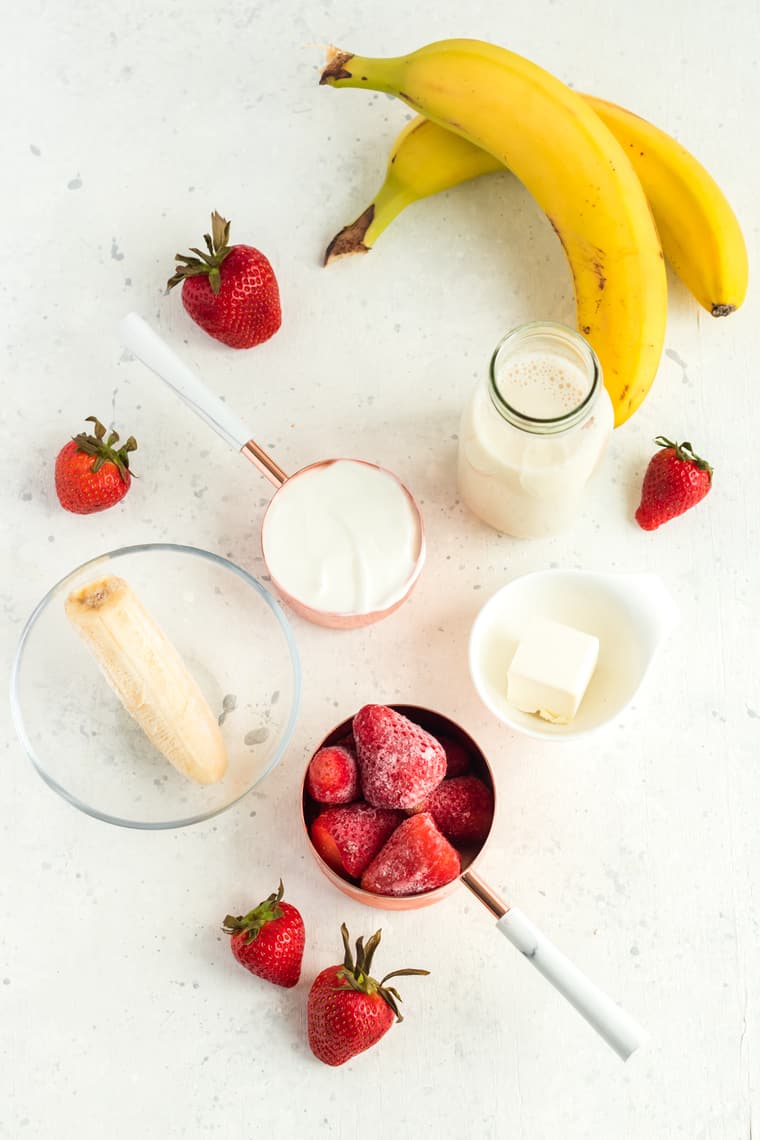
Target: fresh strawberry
point(675, 480)
point(269, 940)
point(231, 290)
point(348, 838)
point(416, 859)
point(91, 473)
point(399, 763)
point(462, 809)
point(348, 1011)
point(457, 757)
point(332, 776)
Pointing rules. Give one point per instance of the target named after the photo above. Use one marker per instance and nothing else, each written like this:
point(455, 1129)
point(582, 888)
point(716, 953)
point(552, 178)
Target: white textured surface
point(122, 1011)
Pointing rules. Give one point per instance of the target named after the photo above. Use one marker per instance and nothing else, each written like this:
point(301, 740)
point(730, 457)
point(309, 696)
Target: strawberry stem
point(218, 245)
point(685, 452)
point(355, 974)
point(103, 449)
point(253, 922)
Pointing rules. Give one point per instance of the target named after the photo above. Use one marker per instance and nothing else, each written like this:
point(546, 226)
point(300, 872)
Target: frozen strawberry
point(399, 763)
point(332, 776)
point(348, 838)
point(416, 858)
point(457, 757)
point(462, 809)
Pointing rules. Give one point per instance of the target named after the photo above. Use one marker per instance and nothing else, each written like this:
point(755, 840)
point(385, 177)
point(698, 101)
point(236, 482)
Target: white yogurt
point(344, 537)
point(520, 475)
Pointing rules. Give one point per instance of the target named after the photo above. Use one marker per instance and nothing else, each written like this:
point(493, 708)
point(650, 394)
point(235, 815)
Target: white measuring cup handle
point(612, 1023)
point(618, 1028)
point(149, 347)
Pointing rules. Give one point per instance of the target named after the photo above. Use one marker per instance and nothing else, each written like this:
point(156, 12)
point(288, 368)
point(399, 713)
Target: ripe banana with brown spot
point(700, 234)
point(576, 170)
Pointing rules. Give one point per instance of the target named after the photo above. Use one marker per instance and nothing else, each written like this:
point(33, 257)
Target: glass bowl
point(235, 641)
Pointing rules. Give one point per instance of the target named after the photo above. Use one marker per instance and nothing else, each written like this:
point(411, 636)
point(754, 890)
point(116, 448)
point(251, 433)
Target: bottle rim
point(554, 424)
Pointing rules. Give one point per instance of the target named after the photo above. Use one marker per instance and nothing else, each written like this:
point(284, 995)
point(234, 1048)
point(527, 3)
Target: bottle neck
point(550, 342)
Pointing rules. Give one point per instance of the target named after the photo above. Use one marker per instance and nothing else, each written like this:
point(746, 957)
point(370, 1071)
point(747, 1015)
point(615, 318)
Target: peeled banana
point(574, 167)
point(700, 234)
point(148, 675)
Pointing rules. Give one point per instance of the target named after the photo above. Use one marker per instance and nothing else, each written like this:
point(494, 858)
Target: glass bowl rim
point(42, 605)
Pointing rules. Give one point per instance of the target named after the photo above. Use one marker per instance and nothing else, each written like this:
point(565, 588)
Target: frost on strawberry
point(349, 837)
point(332, 776)
point(417, 858)
point(462, 809)
point(348, 1011)
point(399, 762)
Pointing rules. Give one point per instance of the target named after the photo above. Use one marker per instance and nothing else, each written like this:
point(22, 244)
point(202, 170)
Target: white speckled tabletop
point(122, 1012)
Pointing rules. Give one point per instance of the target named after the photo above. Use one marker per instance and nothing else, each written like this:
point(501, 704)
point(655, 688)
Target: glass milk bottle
point(534, 431)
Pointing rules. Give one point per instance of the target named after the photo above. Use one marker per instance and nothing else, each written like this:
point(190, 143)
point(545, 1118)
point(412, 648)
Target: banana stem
point(361, 234)
point(346, 70)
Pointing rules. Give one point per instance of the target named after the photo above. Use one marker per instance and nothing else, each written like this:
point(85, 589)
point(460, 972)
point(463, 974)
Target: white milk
point(528, 443)
point(541, 385)
point(343, 537)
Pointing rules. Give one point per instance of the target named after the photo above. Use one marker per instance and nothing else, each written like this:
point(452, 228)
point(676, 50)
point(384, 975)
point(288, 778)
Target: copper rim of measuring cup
point(439, 726)
point(331, 618)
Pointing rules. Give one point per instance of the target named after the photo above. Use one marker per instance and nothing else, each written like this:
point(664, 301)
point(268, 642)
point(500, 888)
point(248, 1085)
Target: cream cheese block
point(551, 670)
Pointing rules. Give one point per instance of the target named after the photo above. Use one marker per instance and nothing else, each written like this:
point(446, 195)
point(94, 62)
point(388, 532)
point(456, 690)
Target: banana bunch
point(594, 168)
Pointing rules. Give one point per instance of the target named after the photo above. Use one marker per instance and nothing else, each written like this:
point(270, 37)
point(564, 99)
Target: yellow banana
point(425, 160)
point(576, 170)
point(700, 235)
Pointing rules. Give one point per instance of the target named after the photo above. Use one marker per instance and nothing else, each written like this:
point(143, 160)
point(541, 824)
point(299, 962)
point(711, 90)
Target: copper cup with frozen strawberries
point(398, 802)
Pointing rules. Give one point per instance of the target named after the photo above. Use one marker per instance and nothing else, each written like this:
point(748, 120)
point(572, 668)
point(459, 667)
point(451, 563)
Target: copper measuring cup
point(612, 1023)
point(149, 347)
